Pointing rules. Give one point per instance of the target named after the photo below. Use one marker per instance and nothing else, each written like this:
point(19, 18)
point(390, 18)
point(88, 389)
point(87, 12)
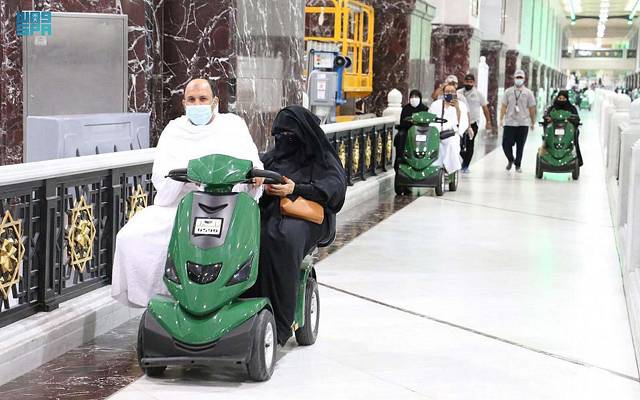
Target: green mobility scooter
point(585, 104)
point(558, 151)
point(416, 166)
point(212, 260)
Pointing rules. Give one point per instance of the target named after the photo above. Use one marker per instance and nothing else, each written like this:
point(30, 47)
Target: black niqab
point(310, 159)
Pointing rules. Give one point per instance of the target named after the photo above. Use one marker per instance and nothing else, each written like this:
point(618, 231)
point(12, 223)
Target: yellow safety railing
point(352, 31)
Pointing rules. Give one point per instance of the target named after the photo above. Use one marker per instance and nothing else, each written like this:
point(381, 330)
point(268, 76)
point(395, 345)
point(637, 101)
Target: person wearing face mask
point(457, 116)
point(415, 105)
point(477, 104)
point(517, 114)
point(141, 245)
point(562, 103)
point(312, 170)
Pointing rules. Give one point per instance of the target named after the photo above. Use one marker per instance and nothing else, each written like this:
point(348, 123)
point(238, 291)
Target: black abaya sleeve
point(310, 192)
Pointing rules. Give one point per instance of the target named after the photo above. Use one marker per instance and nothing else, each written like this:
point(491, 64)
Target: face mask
point(199, 115)
point(468, 87)
point(519, 82)
point(414, 101)
point(448, 97)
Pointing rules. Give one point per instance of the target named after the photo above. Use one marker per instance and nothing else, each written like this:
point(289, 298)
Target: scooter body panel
point(187, 328)
point(559, 152)
point(210, 243)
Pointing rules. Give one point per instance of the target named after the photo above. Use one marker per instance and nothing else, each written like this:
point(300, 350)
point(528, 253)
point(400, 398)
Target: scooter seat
point(331, 234)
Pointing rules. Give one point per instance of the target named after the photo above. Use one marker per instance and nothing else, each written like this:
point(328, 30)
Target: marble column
point(391, 64)
point(421, 70)
point(254, 58)
point(525, 65)
point(534, 82)
point(450, 50)
point(510, 67)
point(495, 53)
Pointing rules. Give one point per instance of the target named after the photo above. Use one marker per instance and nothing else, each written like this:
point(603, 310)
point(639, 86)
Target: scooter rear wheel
point(263, 349)
point(575, 174)
point(538, 168)
point(442, 181)
point(308, 333)
point(453, 182)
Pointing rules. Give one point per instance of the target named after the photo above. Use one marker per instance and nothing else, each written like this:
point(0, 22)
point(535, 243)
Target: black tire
point(453, 182)
point(539, 171)
point(442, 181)
point(397, 187)
point(575, 174)
point(149, 371)
point(259, 367)
point(307, 334)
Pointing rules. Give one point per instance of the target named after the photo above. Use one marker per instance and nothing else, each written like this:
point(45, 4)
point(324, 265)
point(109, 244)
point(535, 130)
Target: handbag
point(302, 208)
point(445, 134)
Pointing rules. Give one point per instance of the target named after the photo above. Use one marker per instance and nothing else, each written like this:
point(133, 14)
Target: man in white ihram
point(141, 245)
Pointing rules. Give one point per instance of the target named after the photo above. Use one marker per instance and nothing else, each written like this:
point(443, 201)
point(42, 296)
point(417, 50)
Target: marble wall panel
point(391, 64)
point(450, 51)
point(495, 54)
point(142, 45)
point(510, 67)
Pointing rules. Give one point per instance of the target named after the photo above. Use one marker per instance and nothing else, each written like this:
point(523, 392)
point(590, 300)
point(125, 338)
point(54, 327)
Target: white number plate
point(421, 138)
point(560, 132)
point(208, 226)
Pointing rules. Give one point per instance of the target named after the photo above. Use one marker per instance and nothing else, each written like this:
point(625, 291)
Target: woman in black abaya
point(312, 169)
point(562, 103)
point(415, 105)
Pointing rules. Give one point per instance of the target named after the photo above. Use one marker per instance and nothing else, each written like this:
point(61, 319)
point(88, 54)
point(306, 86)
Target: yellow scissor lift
point(346, 27)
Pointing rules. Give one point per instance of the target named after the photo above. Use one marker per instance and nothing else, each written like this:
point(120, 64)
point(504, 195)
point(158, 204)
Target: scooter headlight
point(242, 274)
point(170, 271)
point(203, 274)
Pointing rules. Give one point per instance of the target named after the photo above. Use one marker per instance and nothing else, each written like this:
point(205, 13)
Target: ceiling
point(587, 28)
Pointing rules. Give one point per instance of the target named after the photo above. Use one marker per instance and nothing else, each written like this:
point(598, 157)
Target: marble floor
point(509, 288)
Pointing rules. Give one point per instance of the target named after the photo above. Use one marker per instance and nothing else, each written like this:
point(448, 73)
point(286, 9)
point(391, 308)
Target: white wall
point(456, 12)
point(609, 64)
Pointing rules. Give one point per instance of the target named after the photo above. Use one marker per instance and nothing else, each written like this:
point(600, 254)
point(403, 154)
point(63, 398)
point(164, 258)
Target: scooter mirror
point(179, 175)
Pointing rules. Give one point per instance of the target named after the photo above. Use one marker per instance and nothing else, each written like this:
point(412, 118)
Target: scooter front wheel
point(263, 349)
point(149, 371)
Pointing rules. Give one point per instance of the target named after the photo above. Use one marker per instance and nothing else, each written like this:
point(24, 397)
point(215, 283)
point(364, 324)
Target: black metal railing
point(364, 151)
point(57, 234)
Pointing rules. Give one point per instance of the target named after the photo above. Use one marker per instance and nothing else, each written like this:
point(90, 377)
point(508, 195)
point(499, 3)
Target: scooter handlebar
point(270, 177)
point(179, 175)
point(440, 120)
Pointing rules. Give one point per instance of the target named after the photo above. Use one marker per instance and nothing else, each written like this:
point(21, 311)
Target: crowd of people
point(313, 171)
point(517, 117)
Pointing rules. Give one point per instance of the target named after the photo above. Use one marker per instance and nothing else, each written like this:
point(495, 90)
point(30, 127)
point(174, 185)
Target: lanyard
point(517, 96)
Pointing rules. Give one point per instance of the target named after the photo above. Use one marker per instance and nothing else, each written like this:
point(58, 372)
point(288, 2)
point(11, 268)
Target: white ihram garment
point(141, 245)
point(449, 155)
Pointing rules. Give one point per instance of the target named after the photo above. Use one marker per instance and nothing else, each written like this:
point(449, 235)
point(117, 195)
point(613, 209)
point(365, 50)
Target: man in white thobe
point(142, 244)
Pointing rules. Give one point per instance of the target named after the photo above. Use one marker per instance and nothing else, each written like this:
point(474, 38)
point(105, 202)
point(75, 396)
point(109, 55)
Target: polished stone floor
point(509, 288)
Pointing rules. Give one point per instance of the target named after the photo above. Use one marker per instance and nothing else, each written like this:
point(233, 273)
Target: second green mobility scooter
point(558, 151)
point(212, 260)
point(416, 166)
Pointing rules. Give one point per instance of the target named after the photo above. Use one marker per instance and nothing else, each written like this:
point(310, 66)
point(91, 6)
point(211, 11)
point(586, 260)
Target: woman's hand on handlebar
point(281, 190)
